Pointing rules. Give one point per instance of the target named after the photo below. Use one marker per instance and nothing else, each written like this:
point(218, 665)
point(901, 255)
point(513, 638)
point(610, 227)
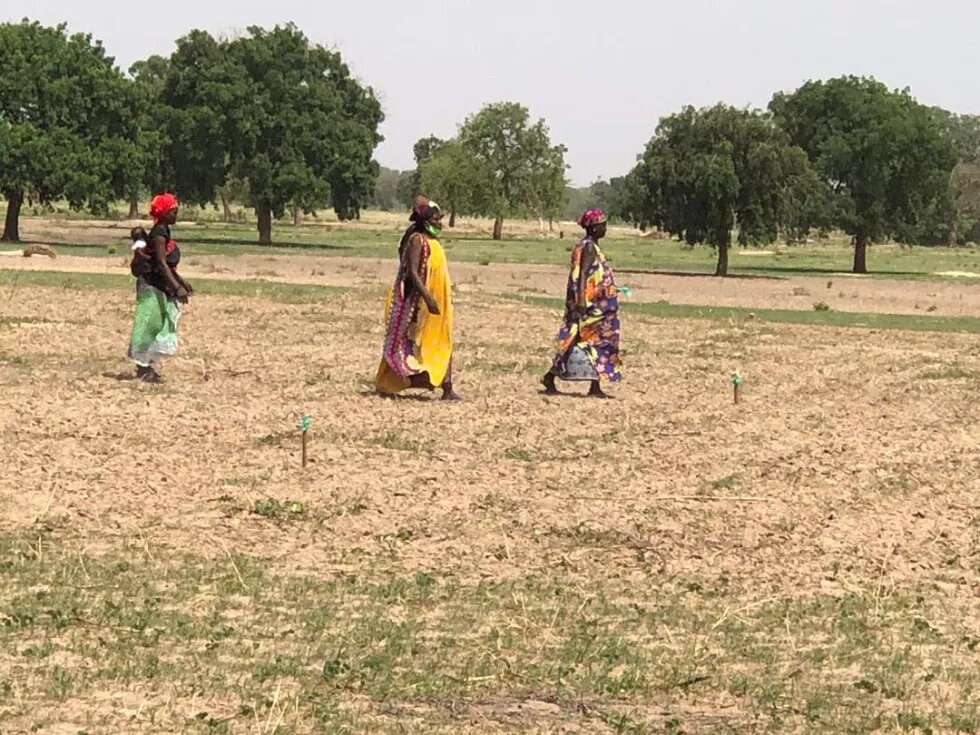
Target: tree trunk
point(452, 216)
point(951, 230)
point(498, 228)
point(134, 208)
point(225, 208)
point(861, 253)
point(264, 213)
point(297, 217)
point(723, 248)
point(11, 227)
point(551, 224)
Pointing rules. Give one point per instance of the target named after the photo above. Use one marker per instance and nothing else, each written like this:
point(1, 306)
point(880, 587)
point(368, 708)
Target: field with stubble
point(807, 560)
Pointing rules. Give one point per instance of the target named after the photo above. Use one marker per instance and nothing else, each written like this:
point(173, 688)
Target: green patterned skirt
point(154, 325)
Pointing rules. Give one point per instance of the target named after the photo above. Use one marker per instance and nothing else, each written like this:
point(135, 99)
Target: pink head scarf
point(591, 218)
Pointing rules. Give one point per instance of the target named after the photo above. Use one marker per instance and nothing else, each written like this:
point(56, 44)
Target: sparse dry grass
point(668, 562)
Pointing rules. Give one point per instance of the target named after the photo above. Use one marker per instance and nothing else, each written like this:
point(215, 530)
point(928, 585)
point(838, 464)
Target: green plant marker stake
point(304, 426)
point(736, 384)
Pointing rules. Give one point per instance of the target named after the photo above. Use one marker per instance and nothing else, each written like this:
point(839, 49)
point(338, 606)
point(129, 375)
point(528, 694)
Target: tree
point(278, 112)
point(423, 150)
point(198, 95)
point(148, 78)
point(233, 190)
point(454, 179)
point(546, 193)
point(577, 200)
point(523, 168)
point(707, 172)
point(67, 128)
point(606, 195)
point(386, 189)
point(882, 155)
point(962, 205)
point(426, 148)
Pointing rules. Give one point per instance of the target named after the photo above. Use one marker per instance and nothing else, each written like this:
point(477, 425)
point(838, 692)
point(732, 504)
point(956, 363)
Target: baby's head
point(138, 236)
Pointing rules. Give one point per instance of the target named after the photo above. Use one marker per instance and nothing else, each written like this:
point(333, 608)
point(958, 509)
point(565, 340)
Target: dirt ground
point(849, 467)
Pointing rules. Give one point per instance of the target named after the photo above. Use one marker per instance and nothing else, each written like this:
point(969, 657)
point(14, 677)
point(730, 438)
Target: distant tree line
point(846, 154)
point(278, 123)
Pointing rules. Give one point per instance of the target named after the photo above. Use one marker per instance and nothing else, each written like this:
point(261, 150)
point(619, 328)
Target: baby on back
point(141, 255)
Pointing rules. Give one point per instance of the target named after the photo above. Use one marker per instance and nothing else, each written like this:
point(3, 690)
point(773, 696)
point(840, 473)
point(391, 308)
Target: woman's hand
point(432, 306)
point(182, 294)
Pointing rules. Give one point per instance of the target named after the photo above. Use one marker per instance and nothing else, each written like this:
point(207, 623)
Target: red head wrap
point(591, 218)
point(161, 204)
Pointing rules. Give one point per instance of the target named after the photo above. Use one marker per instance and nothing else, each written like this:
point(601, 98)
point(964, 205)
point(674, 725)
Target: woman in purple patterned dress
point(588, 341)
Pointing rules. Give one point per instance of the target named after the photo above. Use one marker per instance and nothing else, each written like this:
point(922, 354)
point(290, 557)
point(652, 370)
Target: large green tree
point(711, 172)
point(67, 123)
point(151, 173)
point(282, 114)
point(199, 94)
point(525, 171)
point(882, 155)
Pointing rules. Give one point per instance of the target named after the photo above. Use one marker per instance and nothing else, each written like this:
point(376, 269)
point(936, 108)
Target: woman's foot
point(595, 391)
point(448, 394)
point(548, 381)
point(147, 374)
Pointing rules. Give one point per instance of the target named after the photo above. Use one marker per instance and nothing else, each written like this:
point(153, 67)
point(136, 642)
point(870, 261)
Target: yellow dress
point(418, 341)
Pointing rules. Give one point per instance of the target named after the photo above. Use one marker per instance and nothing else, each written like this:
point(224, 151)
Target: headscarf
point(591, 218)
point(425, 210)
point(161, 204)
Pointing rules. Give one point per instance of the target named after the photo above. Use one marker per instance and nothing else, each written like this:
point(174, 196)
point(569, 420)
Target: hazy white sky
point(601, 73)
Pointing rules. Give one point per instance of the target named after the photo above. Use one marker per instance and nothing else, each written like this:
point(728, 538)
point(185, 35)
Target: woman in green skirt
point(160, 291)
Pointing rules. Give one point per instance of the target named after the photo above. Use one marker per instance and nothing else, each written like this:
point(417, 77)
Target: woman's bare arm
point(413, 257)
point(159, 246)
point(585, 265)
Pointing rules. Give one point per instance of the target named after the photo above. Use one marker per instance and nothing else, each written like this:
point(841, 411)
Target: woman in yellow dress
point(418, 346)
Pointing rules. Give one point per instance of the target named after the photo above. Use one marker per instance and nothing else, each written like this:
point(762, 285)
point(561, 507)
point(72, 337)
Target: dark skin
point(158, 246)
point(138, 233)
point(413, 267)
point(596, 233)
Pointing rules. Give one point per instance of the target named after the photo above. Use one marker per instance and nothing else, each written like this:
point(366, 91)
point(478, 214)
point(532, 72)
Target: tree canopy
point(882, 155)
point(709, 172)
point(524, 172)
point(277, 112)
point(151, 172)
point(961, 209)
point(388, 189)
point(276, 122)
point(67, 124)
point(455, 179)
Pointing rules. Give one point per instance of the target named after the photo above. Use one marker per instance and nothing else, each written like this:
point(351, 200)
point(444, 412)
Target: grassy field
point(377, 237)
point(667, 562)
point(310, 293)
